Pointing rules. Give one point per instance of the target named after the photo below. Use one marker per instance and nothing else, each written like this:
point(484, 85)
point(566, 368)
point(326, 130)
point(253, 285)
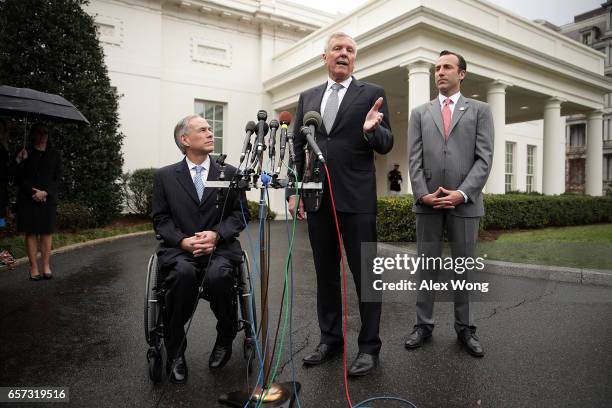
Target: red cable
point(345, 315)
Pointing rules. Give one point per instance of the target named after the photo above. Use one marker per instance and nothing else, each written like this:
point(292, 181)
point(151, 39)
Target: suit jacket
point(461, 163)
point(178, 213)
point(348, 152)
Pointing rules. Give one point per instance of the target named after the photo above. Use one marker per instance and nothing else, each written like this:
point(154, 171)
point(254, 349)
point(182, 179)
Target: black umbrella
point(24, 102)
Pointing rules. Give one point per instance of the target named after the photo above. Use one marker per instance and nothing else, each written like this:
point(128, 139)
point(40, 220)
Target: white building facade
point(228, 59)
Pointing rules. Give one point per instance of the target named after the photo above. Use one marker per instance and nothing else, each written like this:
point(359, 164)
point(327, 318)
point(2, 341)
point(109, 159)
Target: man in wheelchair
point(198, 229)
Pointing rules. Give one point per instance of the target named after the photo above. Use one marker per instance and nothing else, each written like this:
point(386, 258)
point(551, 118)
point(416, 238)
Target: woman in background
point(37, 177)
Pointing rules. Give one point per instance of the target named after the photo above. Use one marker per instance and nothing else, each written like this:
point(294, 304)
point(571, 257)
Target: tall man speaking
point(355, 125)
point(451, 150)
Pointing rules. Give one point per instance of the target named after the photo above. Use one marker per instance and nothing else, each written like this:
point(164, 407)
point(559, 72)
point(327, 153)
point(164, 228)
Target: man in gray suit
point(451, 151)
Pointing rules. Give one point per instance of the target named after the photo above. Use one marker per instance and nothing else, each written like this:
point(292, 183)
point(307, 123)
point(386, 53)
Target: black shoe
point(220, 355)
point(470, 341)
point(177, 370)
point(363, 365)
point(36, 277)
point(417, 337)
point(47, 275)
point(321, 354)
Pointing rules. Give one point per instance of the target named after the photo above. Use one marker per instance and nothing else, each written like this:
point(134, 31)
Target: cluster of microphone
point(253, 152)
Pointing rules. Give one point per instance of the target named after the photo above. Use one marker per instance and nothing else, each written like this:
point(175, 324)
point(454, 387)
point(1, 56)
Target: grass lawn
point(587, 246)
point(62, 238)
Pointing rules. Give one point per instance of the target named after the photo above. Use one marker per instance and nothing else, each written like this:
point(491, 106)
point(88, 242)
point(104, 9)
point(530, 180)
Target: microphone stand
point(277, 395)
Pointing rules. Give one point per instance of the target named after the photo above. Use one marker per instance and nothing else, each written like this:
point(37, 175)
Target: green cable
point(286, 292)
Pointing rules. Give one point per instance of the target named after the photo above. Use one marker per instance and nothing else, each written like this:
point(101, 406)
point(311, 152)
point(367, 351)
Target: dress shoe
point(363, 365)
point(177, 370)
point(417, 337)
point(220, 355)
point(47, 275)
point(36, 277)
point(321, 354)
point(470, 341)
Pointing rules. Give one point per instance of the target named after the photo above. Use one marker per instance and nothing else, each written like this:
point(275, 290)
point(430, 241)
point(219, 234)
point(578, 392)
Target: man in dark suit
point(451, 151)
point(355, 125)
point(199, 240)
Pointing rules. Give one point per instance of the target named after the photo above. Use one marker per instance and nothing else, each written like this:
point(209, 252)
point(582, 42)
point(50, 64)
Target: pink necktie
point(446, 116)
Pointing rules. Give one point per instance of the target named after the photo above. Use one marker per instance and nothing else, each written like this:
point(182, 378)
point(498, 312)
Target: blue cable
point(360, 404)
point(261, 365)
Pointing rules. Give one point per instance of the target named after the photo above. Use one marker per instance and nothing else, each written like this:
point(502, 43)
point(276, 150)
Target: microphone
point(312, 121)
point(285, 119)
point(258, 143)
point(272, 141)
point(262, 130)
point(249, 129)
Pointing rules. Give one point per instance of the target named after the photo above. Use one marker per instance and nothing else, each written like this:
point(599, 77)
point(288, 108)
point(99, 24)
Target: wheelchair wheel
point(151, 306)
point(248, 313)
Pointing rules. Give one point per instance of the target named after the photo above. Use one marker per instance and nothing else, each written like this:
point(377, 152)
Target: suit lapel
point(352, 93)
point(436, 113)
point(184, 178)
point(312, 102)
point(213, 174)
point(462, 106)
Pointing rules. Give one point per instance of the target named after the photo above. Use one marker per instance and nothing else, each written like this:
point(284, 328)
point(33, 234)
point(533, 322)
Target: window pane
point(218, 112)
point(209, 112)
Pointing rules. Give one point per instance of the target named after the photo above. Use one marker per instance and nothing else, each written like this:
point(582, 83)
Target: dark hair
point(462, 63)
point(33, 129)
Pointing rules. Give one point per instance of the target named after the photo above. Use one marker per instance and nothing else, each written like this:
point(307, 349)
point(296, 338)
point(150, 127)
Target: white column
point(496, 98)
point(553, 174)
point(418, 94)
point(594, 152)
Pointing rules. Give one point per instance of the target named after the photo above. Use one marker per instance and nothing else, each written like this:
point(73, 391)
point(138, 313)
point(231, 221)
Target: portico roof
point(535, 62)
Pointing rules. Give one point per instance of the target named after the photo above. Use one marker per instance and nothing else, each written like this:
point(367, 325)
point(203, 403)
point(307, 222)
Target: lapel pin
point(462, 108)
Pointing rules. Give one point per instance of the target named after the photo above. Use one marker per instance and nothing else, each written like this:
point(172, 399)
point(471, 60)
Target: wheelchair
point(243, 303)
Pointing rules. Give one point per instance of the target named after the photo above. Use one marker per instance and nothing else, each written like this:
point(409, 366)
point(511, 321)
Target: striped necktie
point(331, 107)
point(199, 183)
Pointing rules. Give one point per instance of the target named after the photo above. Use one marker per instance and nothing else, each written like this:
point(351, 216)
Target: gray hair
point(182, 128)
point(338, 34)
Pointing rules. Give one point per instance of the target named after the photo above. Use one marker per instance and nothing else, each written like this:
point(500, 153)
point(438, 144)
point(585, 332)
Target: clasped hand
point(39, 195)
point(202, 243)
point(443, 198)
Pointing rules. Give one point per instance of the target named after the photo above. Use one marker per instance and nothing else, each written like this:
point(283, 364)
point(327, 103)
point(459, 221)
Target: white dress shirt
point(205, 164)
point(341, 92)
point(455, 99)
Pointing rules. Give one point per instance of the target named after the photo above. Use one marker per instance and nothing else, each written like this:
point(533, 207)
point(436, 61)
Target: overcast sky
point(558, 12)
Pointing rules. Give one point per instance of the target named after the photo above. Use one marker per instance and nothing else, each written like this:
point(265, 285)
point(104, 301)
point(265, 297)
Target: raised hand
point(374, 117)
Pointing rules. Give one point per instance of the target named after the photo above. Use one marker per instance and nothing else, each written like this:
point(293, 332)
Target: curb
point(79, 245)
point(582, 276)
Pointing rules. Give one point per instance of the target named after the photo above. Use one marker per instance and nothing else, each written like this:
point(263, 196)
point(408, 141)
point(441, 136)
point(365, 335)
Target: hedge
point(396, 221)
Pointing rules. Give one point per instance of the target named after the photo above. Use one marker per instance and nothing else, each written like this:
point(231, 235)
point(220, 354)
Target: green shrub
point(73, 216)
point(138, 191)
point(535, 211)
point(397, 222)
point(254, 211)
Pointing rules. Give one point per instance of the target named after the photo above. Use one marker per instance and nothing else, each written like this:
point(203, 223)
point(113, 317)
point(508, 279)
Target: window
point(608, 167)
point(213, 113)
point(509, 179)
point(531, 155)
point(577, 135)
point(586, 38)
point(576, 172)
